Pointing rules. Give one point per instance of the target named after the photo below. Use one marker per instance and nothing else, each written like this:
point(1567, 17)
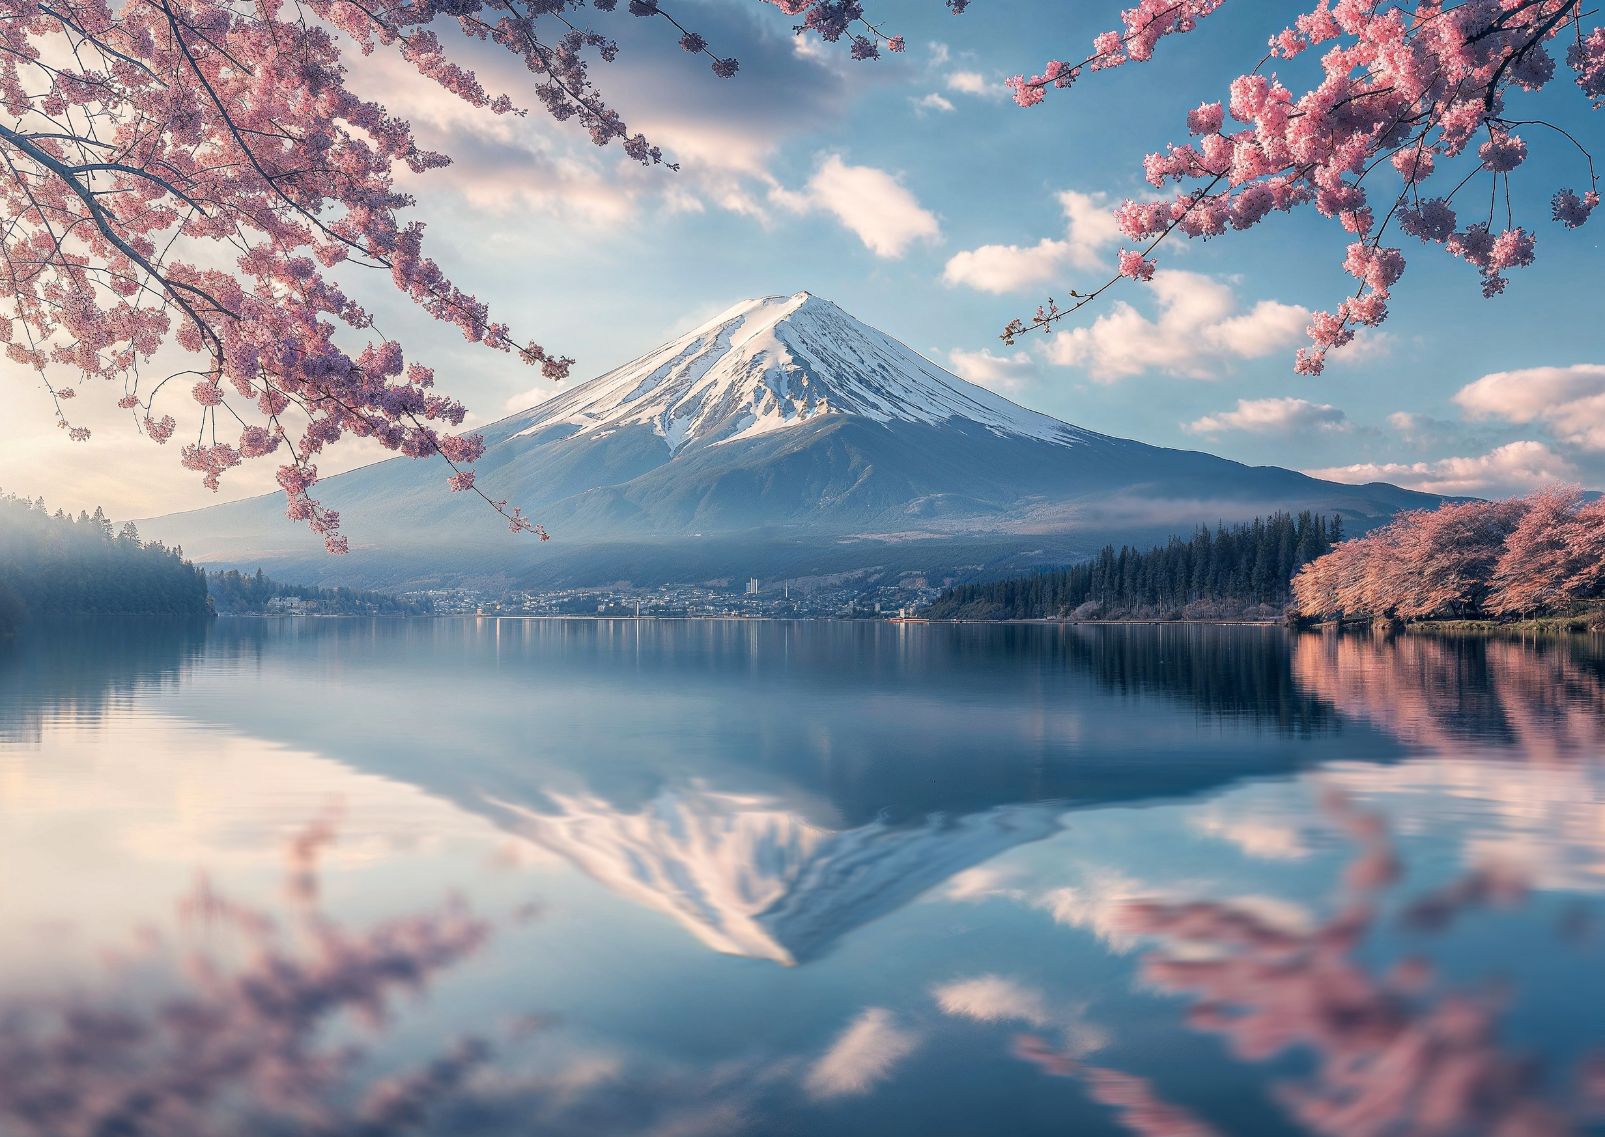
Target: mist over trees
point(54, 564)
point(1534, 556)
point(1238, 571)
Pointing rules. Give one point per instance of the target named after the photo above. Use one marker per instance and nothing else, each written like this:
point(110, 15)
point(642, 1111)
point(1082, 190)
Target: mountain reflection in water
point(1166, 880)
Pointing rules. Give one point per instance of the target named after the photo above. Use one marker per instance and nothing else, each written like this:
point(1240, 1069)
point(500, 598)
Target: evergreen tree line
point(1229, 571)
point(54, 564)
point(246, 594)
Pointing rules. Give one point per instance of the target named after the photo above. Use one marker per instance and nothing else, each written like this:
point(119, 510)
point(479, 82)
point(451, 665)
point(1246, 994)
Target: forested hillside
point(1237, 571)
point(246, 594)
point(53, 564)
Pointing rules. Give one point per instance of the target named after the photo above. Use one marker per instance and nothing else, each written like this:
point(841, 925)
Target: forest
point(1229, 572)
point(248, 594)
point(54, 564)
point(1540, 555)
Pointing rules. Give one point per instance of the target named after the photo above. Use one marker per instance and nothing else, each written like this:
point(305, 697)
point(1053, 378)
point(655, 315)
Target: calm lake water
point(488, 877)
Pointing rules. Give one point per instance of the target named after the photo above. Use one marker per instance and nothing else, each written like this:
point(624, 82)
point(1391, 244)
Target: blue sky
point(914, 193)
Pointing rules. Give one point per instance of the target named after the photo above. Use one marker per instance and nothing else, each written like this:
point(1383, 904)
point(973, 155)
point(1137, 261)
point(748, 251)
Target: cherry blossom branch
point(1402, 85)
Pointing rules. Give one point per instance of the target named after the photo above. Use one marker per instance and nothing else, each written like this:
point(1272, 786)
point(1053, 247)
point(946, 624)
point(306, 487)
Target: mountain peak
point(776, 362)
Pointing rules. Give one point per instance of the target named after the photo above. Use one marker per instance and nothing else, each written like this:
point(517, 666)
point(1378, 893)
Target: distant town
point(754, 600)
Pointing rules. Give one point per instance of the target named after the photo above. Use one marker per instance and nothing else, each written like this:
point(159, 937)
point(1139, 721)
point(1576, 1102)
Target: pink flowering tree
point(1538, 555)
point(185, 182)
point(1413, 127)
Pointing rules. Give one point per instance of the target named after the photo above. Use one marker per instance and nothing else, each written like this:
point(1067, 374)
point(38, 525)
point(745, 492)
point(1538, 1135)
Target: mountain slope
point(783, 438)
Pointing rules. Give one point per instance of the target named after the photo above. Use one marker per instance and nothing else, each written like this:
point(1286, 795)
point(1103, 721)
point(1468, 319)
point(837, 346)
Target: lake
point(498, 877)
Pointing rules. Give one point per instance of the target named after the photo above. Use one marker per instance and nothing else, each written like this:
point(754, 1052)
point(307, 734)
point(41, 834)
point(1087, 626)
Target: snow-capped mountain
point(785, 439)
point(778, 362)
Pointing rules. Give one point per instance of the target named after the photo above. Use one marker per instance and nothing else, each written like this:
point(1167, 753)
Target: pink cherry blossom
point(1502, 153)
point(1570, 209)
point(1135, 265)
point(1414, 87)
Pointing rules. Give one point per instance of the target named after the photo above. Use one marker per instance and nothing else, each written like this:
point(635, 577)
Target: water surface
point(479, 877)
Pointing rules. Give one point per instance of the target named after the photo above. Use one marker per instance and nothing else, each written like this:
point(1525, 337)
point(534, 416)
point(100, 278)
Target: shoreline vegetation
point(1531, 565)
point(1528, 566)
point(1230, 573)
point(1589, 622)
point(55, 565)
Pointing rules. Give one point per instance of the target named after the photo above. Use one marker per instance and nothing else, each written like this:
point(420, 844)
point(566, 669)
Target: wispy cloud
point(508, 164)
point(975, 83)
point(1008, 374)
point(1197, 332)
point(1570, 401)
point(863, 1056)
point(1515, 468)
point(1262, 838)
point(1090, 230)
point(993, 999)
point(1285, 416)
point(872, 203)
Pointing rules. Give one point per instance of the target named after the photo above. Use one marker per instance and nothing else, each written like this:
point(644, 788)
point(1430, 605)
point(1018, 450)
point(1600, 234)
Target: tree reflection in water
point(243, 1042)
point(1543, 698)
point(1397, 1054)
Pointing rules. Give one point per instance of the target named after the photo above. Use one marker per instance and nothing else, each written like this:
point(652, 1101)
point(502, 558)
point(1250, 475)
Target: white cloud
point(934, 102)
point(870, 202)
point(992, 999)
point(1515, 468)
point(973, 83)
point(1257, 837)
point(981, 882)
point(1089, 229)
point(1097, 905)
point(1272, 416)
point(863, 1056)
point(1196, 333)
point(1568, 400)
point(511, 165)
point(1008, 374)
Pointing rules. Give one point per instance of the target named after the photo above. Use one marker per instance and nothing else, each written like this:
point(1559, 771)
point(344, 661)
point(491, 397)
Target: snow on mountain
point(776, 362)
point(746, 876)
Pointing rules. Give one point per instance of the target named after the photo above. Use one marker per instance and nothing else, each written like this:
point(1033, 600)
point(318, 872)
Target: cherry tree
point(1412, 124)
point(1449, 554)
point(1554, 558)
point(1543, 553)
point(184, 182)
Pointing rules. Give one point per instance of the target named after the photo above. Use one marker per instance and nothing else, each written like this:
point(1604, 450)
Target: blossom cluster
point(831, 20)
point(1410, 96)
